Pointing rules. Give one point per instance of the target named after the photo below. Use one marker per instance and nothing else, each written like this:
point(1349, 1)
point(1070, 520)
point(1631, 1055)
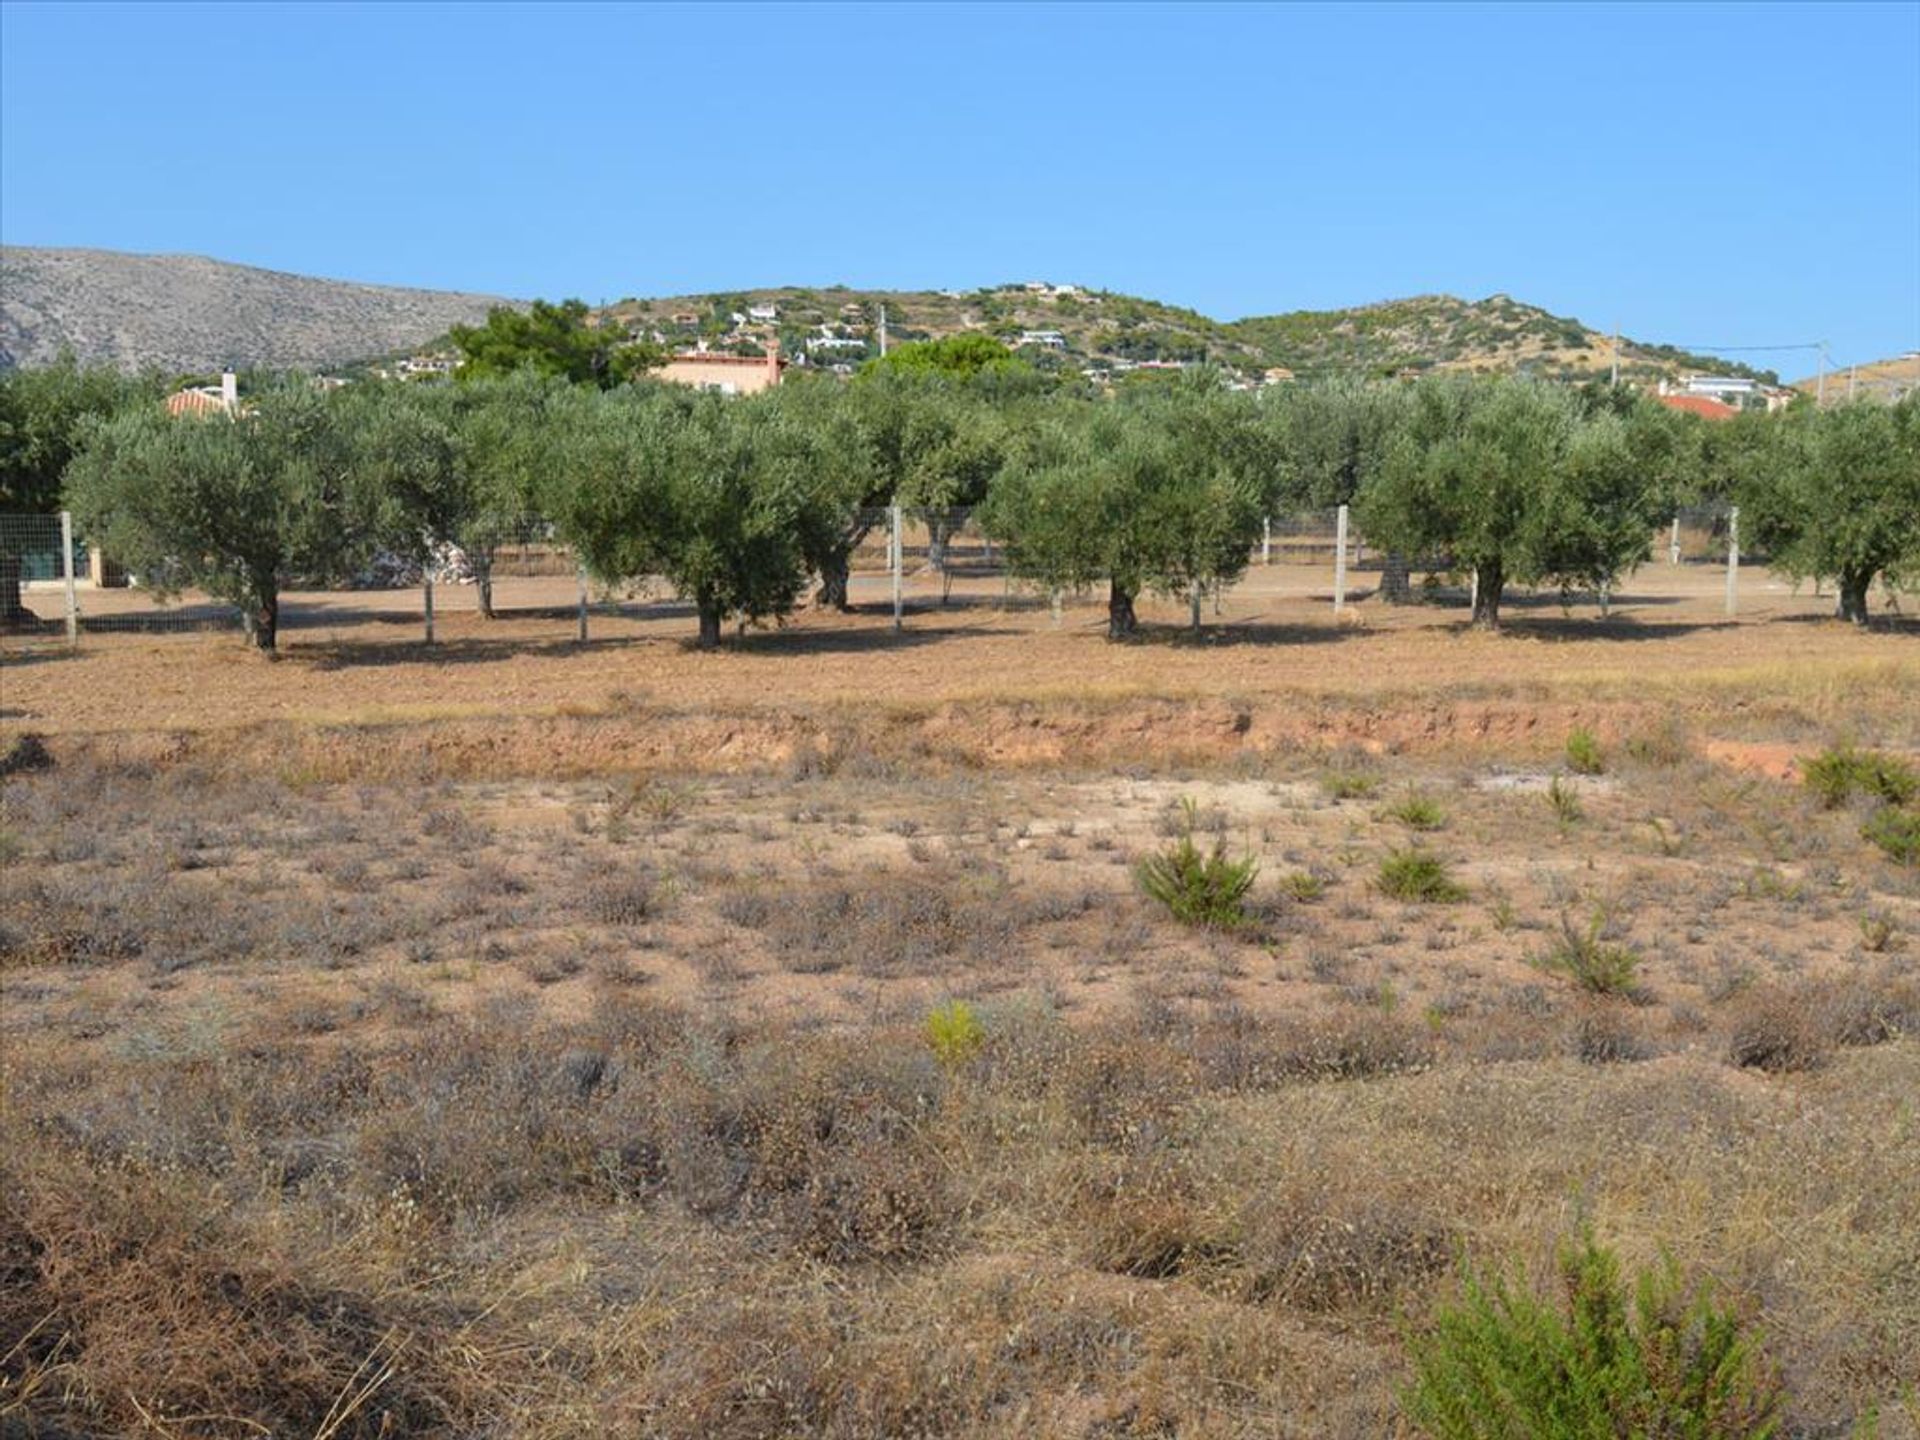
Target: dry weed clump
point(1776, 1031)
point(133, 1310)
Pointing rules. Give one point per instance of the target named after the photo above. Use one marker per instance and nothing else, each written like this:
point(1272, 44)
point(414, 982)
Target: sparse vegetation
point(1564, 801)
point(1348, 784)
point(1584, 755)
point(1418, 811)
point(954, 1033)
point(1897, 832)
point(1419, 875)
point(1203, 888)
point(1840, 772)
point(1589, 960)
point(679, 1064)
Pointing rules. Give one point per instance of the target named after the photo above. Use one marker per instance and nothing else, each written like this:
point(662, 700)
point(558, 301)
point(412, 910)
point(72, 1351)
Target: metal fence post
point(895, 561)
point(1266, 540)
point(582, 572)
point(1340, 560)
point(73, 598)
point(1733, 560)
point(1673, 545)
point(426, 587)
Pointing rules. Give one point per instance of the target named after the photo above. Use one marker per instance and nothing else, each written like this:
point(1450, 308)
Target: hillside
point(189, 313)
point(1100, 328)
point(1882, 379)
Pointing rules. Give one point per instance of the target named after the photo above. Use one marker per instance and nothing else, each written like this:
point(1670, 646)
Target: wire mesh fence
point(37, 580)
point(902, 564)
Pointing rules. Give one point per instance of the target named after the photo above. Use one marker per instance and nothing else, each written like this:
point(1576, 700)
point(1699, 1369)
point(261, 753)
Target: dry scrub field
point(522, 1039)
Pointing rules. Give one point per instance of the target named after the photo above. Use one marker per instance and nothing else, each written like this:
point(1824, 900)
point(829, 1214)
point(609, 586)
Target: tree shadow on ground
point(1562, 630)
point(1879, 622)
point(798, 641)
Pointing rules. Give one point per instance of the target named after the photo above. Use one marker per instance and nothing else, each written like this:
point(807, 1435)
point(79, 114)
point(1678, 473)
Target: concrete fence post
point(73, 598)
point(1733, 560)
point(1266, 541)
point(1340, 560)
point(896, 562)
point(1673, 543)
point(426, 600)
point(581, 572)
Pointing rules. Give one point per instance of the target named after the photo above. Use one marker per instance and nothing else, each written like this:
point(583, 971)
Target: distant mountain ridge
point(193, 314)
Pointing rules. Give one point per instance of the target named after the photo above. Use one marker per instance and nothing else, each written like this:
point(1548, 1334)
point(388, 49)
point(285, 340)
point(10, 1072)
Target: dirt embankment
point(1148, 733)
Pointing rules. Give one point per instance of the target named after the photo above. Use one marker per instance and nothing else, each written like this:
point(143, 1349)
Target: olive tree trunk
point(1121, 621)
point(14, 614)
point(482, 562)
point(1490, 581)
point(708, 608)
point(262, 618)
point(1854, 585)
point(834, 575)
point(1396, 579)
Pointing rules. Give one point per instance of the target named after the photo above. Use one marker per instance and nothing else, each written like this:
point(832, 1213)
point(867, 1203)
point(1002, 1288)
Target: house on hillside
point(1047, 339)
point(1706, 406)
point(724, 374)
point(221, 399)
point(763, 314)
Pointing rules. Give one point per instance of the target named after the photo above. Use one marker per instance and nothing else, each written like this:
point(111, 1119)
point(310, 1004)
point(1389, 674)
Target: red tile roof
point(194, 402)
point(1705, 405)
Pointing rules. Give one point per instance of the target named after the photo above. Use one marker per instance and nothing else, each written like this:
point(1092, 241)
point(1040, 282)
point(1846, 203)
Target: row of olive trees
point(738, 503)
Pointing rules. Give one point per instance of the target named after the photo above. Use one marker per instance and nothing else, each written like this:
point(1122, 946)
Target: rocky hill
point(1071, 325)
point(191, 314)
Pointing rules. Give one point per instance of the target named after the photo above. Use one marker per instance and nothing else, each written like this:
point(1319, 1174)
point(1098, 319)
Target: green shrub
point(1198, 887)
point(954, 1033)
point(1590, 962)
point(1606, 1359)
point(1584, 756)
point(1350, 784)
point(1565, 801)
point(1419, 811)
point(1840, 772)
point(1895, 831)
point(1303, 885)
point(1416, 874)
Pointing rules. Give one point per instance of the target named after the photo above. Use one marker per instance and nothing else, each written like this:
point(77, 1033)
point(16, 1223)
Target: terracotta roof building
point(1703, 405)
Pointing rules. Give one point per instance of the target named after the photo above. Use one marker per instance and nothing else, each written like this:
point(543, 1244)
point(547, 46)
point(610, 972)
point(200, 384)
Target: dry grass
point(552, 1061)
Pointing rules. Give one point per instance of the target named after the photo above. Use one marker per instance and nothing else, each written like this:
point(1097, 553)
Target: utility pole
point(1616, 355)
point(883, 328)
point(1820, 386)
point(1851, 371)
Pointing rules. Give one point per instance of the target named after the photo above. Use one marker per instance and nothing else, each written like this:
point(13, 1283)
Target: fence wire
point(899, 564)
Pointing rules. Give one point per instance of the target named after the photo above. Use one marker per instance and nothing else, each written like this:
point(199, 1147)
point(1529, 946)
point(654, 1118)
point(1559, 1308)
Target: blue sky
point(1713, 176)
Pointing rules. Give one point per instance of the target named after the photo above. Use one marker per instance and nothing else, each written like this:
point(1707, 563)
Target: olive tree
point(1836, 494)
point(1147, 492)
point(456, 465)
point(236, 505)
point(715, 494)
point(45, 414)
point(1335, 437)
point(1517, 483)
